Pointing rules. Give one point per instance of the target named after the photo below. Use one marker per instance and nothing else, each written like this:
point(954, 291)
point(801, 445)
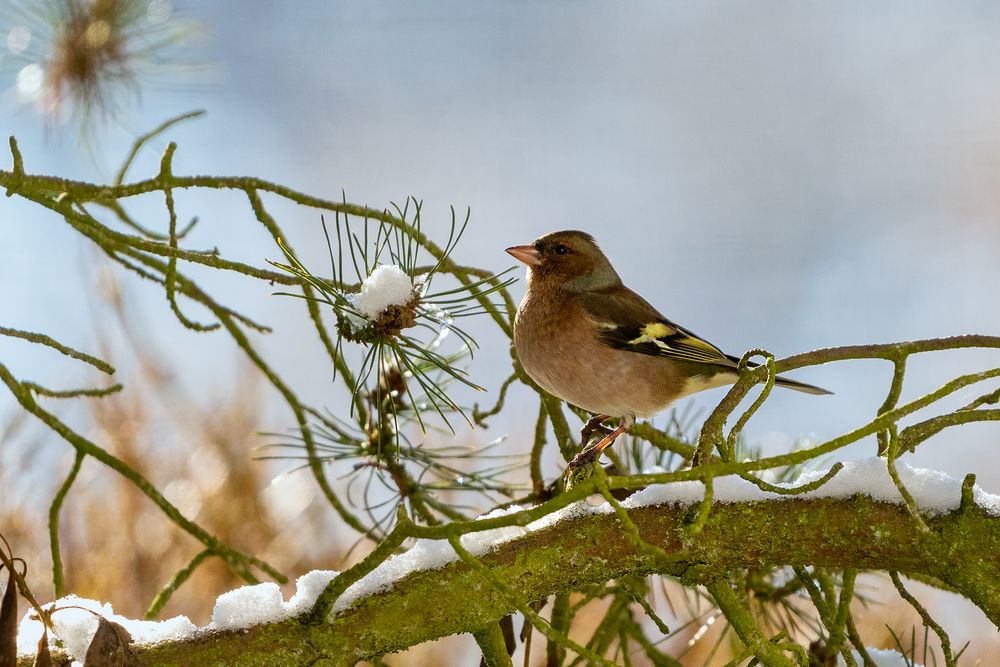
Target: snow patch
point(933, 491)
point(388, 285)
point(484, 541)
point(249, 605)
point(423, 555)
point(307, 589)
point(263, 603)
point(577, 510)
point(76, 627)
point(428, 555)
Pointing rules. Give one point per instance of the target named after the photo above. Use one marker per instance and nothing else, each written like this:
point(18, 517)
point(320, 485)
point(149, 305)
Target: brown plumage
point(589, 340)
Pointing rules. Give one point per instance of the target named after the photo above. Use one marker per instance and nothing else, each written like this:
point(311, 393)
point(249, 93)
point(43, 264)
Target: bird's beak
point(525, 253)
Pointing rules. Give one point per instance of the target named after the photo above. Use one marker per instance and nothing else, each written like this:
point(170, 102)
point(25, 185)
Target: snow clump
point(75, 623)
point(387, 285)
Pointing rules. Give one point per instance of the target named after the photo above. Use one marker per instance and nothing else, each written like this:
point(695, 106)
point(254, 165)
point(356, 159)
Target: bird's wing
point(626, 321)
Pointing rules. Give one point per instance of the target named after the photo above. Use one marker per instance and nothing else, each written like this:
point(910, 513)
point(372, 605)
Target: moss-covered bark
point(961, 549)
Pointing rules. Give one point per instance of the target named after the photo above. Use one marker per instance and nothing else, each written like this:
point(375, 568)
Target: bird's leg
point(595, 423)
point(627, 422)
point(591, 453)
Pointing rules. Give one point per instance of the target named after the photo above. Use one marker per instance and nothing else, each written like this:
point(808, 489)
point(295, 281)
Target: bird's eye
point(561, 249)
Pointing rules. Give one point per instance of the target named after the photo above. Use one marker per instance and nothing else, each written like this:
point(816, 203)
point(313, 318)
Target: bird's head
point(569, 260)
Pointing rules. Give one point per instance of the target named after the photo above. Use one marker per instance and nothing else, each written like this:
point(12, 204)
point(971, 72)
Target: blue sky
point(789, 176)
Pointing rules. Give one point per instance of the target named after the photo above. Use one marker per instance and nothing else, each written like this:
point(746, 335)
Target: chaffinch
point(589, 340)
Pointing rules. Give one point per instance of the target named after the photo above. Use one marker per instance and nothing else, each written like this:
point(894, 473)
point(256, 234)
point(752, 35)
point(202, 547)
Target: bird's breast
point(558, 347)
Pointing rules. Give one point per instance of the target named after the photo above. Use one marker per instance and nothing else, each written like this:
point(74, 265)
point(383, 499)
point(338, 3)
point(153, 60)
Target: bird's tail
point(801, 386)
point(782, 381)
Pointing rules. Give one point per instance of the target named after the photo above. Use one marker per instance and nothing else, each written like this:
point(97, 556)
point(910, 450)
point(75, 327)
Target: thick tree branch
point(961, 549)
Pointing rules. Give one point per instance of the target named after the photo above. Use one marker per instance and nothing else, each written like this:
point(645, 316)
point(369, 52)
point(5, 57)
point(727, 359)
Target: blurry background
point(783, 175)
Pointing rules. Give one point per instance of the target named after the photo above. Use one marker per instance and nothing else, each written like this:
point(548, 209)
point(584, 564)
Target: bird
point(586, 338)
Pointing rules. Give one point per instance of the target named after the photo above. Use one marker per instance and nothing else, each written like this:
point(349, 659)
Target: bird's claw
point(594, 425)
